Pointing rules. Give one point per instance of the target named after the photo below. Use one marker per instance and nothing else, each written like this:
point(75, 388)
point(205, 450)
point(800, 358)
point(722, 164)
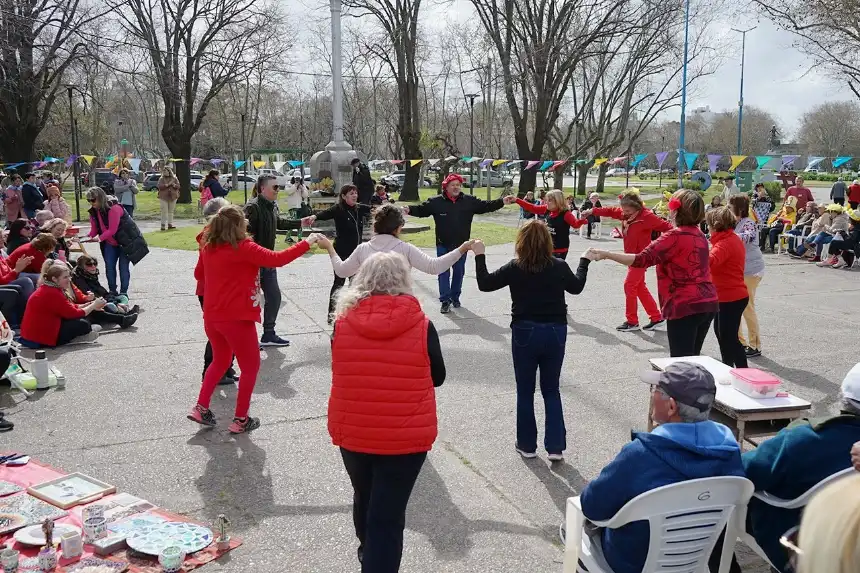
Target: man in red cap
point(453, 211)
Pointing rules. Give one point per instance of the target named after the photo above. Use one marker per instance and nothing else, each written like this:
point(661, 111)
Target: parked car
point(397, 178)
point(196, 180)
point(226, 181)
point(616, 171)
point(298, 173)
point(150, 182)
point(101, 177)
point(497, 179)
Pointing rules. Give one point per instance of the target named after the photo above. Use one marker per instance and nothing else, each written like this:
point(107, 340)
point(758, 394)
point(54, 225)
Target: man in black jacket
point(363, 181)
point(453, 211)
point(263, 224)
point(32, 196)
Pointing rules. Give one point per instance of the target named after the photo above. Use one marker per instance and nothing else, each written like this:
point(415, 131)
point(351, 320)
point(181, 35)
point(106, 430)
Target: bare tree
point(399, 20)
point(39, 41)
point(832, 128)
point(540, 44)
point(197, 47)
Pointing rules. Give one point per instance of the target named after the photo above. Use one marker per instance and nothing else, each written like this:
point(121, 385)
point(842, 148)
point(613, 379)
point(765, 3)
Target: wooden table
point(738, 406)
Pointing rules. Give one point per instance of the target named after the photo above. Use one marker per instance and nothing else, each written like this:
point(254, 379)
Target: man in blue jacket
point(685, 446)
point(793, 461)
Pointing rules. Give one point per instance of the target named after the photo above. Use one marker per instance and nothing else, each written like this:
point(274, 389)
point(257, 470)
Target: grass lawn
point(183, 238)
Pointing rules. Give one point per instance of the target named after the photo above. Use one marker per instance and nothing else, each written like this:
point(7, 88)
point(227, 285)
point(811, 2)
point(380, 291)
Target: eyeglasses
point(92, 264)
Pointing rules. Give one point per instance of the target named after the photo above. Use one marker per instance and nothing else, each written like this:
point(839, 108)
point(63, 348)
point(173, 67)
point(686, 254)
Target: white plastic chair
point(795, 503)
point(685, 520)
point(598, 228)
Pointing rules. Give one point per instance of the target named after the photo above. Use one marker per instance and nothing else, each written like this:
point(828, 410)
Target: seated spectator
point(380, 197)
point(716, 202)
point(20, 232)
point(593, 202)
point(686, 445)
point(838, 229)
point(571, 205)
point(777, 223)
point(793, 461)
point(57, 205)
point(124, 319)
point(50, 318)
point(803, 226)
point(762, 205)
point(37, 249)
point(529, 198)
point(42, 217)
point(16, 287)
point(800, 248)
point(85, 278)
point(828, 537)
point(846, 247)
point(57, 229)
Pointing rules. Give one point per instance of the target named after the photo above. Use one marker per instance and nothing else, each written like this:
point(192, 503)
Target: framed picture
point(71, 490)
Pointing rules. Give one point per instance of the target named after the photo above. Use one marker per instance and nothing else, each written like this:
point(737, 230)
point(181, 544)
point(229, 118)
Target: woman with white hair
point(593, 202)
point(386, 364)
point(829, 540)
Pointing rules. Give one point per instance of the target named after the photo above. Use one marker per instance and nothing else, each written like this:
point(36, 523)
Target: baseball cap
point(851, 385)
point(690, 384)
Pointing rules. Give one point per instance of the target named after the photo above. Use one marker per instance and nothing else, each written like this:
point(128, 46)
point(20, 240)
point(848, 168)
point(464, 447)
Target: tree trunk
point(582, 173)
point(20, 148)
point(558, 178)
point(411, 150)
point(601, 176)
point(180, 148)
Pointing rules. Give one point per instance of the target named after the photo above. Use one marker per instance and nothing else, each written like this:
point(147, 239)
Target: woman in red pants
point(229, 266)
point(559, 220)
point(637, 224)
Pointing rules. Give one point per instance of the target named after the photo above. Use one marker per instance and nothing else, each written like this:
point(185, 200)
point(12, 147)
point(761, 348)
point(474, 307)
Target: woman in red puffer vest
point(386, 362)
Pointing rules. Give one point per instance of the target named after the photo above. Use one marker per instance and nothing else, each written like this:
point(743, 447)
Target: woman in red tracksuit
point(229, 266)
point(637, 224)
point(559, 220)
point(681, 258)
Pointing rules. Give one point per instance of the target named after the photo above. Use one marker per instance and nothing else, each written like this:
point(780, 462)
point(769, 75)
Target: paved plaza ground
point(477, 506)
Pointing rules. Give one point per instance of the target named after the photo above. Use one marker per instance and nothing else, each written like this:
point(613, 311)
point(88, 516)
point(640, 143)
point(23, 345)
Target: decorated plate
point(189, 536)
point(12, 521)
point(34, 535)
point(8, 488)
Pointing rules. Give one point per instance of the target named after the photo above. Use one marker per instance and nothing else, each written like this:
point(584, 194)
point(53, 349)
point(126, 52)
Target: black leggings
point(845, 247)
point(12, 304)
point(71, 329)
point(332, 296)
point(687, 334)
point(207, 354)
point(726, 326)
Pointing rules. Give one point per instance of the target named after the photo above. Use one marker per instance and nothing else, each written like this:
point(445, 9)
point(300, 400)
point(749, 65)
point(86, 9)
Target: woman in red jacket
point(681, 257)
point(229, 265)
point(637, 224)
point(50, 318)
point(559, 220)
point(386, 362)
point(727, 259)
point(37, 250)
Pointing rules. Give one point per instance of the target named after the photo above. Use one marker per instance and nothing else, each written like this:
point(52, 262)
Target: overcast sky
point(777, 76)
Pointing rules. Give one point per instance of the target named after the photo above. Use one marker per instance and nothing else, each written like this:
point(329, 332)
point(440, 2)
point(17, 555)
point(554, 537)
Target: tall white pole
point(336, 73)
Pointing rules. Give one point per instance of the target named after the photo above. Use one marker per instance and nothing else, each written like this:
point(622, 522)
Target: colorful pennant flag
point(813, 161)
point(661, 157)
point(154, 161)
point(840, 161)
point(762, 160)
point(433, 162)
point(194, 161)
point(466, 159)
point(514, 162)
point(690, 159)
point(713, 160)
point(497, 162)
point(50, 159)
point(531, 164)
point(296, 164)
point(237, 164)
point(638, 159)
point(485, 163)
point(600, 161)
point(414, 162)
point(175, 160)
point(451, 159)
point(278, 165)
point(88, 158)
point(134, 163)
point(557, 164)
point(736, 161)
point(619, 159)
point(215, 161)
point(396, 161)
point(71, 160)
point(788, 160)
point(545, 165)
point(258, 164)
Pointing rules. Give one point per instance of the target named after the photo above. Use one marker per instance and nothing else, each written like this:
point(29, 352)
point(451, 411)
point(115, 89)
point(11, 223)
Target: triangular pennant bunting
point(713, 160)
point(600, 161)
point(761, 160)
point(788, 160)
point(840, 161)
point(690, 159)
point(638, 159)
point(531, 164)
point(813, 161)
point(661, 157)
point(736, 161)
point(414, 162)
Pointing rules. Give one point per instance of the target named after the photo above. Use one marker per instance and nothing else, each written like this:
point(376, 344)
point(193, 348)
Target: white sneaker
point(92, 336)
point(555, 457)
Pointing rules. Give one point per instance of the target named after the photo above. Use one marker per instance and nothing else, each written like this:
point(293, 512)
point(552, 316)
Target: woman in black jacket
point(348, 216)
point(214, 185)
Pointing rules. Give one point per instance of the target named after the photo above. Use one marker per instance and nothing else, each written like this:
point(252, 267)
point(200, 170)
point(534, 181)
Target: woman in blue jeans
point(537, 281)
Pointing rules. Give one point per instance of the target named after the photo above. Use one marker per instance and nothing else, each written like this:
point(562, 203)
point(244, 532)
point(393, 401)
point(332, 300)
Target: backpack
point(205, 196)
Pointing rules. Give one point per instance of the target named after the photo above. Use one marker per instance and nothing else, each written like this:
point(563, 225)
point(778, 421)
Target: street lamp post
point(741, 98)
point(244, 160)
point(575, 149)
point(660, 167)
point(681, 160)
point(73, 124)
point(471, 98)
point(629, 146)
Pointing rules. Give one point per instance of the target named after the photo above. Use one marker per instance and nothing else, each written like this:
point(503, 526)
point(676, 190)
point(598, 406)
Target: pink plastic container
point(755, 383)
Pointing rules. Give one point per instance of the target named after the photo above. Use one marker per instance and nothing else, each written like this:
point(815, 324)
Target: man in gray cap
point(685, 446)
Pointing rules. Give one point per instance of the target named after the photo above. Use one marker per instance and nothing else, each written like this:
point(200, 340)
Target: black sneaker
point(227, 380)
point(456, 304)
point(5, 425)
point(627, 327)
point(244, 425)
point(360, 553)
point(272, 339)
point(525, 453)
point(752, 352)
point(653, 324)
point(202, 416)
point(128, 321)
point(446, 307)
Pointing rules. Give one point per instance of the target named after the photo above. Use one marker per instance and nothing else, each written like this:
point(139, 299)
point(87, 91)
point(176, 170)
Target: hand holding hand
point(312, 239)
point(90, 297)
point(466, 246)
point(309, 221)
point(100, 303)
point(593, 255)
point(586, 213)
point(23, 263)
point(509, 199)
point(325, 242)
point(478, 247)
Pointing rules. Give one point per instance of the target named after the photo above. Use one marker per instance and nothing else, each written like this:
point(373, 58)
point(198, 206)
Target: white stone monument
point(334, 160)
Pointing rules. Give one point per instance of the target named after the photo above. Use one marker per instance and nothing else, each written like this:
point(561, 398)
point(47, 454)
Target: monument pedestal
point(334, 162)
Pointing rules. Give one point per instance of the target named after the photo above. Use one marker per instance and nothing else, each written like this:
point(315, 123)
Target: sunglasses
point(93, 264)
point(276, 187)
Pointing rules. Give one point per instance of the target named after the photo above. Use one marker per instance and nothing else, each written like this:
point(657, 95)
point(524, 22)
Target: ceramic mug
point(94, 528)
point(71, 544)
point(48, 559)
point(92, 510)
point(9, 559)
point(171, 559)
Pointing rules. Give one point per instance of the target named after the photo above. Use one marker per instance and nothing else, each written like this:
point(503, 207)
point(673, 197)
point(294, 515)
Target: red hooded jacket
point(727, 259)
point(637, 231)
point(382, 395)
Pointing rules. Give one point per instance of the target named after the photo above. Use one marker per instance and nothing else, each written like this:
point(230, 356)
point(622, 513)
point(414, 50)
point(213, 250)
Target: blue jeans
point(792, 241)
point(114, 256)
point(129, 209)
point(450, 288)
point(820, 240)
point(539, 345)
